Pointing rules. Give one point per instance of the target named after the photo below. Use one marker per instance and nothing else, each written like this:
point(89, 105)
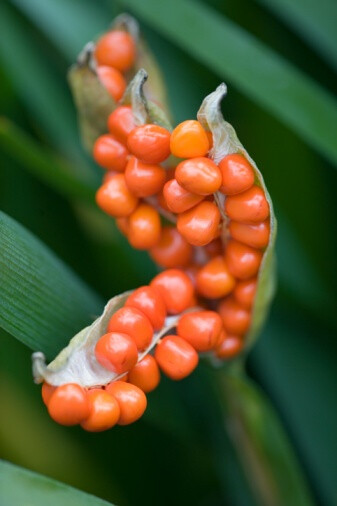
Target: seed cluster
point(130, 332)
point(211, 251)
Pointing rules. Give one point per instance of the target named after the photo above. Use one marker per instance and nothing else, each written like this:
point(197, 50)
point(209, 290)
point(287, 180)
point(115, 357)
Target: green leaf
point(315, 21)
point(261, 444)
point(44, 164)
point(255, 69)
point(34, 78)
point(43, 302)
point(69, 25)
point(226, 142)
point(20, 486)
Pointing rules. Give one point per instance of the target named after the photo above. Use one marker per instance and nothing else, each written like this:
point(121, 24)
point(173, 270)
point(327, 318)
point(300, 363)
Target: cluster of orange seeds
point(122, 350)
point(207, 224)
point(223, 268)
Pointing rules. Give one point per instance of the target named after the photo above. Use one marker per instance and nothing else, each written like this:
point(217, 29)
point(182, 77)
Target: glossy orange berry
point(115, 198)
point(109, 153)
point(131, 399)
point(249, 207)
point(116, 49)
point(121, 123)
point(214, 279)
point(172, 250)
point(104, 411)
point(243, 261)
point(144, 227)
point(201, 329)
point(230, 347)
point(46, 392)
point(123, 225)
point(237, 174)
point(117, 352)
point(245, 291)
point(199, 175)
point(151, 303)
point(145, 374)
point(69, 404)
point(189, 140)
point(235, 318)
point(134, 323)
point(177, 198)
point(112, 80)
point(150, 143)
point(176, 357)
point(256, 236)
point(200, 224)
point(144, 179)
point(176, 288)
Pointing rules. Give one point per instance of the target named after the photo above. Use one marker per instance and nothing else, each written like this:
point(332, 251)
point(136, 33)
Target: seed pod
point(76, 363)
point(225, 142)
point(92, 100)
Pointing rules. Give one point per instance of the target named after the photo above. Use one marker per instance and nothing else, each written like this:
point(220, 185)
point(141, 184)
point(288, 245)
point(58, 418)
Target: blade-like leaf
point(69, 25)
point(261, 444)
point(37, 84)
point(255, 69)
point(43, 163)
point(42, 301)
point(315, 21)
point(20, 486)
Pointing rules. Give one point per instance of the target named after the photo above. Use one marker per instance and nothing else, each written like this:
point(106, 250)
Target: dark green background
point(171, 456)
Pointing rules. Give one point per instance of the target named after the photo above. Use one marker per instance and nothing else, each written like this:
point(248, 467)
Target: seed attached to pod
point(172, 250)
point(131, 400)
point(201, 329)
point(243, 261)
point(115, 198)
point(112, 80)
point(176, 288)
point(144, 179)
point(236, 319)
point(117, 352)
point(199, 175)
point(69, 404)
point(176, 357)
point(200, 224)
point(178, 199)
point(116, 49)
point(121, 123)
point(248, 207)
point(189, 140)
point(214, 279)
point(145, 374)
point(237, 174)
point(134, 323)
point(104, 411)
point(109, 153)
point(151, 303)
point(150, 143)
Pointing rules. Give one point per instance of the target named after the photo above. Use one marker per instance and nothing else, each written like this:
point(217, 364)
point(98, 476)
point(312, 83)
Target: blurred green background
point(279, 60)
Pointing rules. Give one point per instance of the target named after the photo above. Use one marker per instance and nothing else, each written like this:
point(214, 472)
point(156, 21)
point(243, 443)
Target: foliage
point(278, 59)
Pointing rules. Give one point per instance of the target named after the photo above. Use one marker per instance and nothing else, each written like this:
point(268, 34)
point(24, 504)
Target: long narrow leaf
point(43, 303)
point(43, 163)
point(20, 486)
point(69, 25)
point(36, 82)
point(315, 21)
point(261, 444)
point(255, 69)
